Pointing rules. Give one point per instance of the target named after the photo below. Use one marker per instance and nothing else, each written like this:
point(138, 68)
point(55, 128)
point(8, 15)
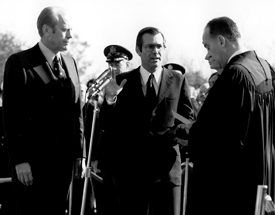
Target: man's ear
point(221, 40)
point(128, 65)
point(138, 51)
point(46, 30)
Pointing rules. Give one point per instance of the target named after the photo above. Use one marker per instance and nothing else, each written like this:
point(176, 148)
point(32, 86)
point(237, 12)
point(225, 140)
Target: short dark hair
point(224, 26)
point(48, 16)
point(148, 30)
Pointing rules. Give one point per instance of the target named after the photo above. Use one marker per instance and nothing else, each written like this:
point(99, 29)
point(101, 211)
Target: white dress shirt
point(49, 55)
point(145, 76)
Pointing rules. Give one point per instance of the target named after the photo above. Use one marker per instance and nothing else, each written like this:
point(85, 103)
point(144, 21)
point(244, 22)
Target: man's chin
point(156, 64)
point(156, 67)
point(213, 67)
point(64, 48)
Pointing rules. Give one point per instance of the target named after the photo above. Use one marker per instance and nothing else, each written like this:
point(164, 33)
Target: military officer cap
point(116, 53)
point(174, 66)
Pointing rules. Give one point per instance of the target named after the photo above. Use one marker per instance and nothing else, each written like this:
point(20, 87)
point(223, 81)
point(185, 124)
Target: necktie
point(151, 96)
point(57, 67)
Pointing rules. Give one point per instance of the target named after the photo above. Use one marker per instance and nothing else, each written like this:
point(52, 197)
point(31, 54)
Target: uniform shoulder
point(175, 73)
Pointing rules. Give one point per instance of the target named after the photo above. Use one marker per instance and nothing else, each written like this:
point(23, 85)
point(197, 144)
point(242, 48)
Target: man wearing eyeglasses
point(142, 162)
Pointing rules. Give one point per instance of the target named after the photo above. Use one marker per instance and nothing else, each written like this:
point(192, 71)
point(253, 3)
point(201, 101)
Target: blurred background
point(99, 23)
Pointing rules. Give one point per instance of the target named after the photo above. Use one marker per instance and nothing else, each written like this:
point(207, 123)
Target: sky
point(105, 22)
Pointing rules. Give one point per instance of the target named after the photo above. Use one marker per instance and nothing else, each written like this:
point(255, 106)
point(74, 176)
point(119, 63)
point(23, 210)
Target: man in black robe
point(231, 143)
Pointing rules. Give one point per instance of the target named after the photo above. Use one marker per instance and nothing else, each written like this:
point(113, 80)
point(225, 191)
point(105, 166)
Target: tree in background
point(195, 73)
point(78, 49)
point(8, 45)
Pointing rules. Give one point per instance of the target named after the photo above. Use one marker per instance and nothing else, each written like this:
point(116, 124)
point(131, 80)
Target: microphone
point(99, 83)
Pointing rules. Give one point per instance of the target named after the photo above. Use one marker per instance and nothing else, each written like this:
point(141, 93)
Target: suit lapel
point(166, 81)
point(134, 82)
point(138, 83)
point(41, 67)
point(44, 72)
point(69, 66)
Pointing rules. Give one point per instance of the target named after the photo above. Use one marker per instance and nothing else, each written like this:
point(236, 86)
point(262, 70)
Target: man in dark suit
point(43, 118)
point(141, 160)
point(7, 192)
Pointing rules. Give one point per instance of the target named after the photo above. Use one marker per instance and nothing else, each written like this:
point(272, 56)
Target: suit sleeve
point(79, 125)
point(14, 114)
point(185, 106)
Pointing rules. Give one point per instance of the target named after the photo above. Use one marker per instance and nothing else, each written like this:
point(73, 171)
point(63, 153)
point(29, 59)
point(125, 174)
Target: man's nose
point(69, 34)
point(206, 57)
point(155, 49)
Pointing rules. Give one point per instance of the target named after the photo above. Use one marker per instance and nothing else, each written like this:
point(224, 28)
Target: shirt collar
point(145, 75)
point(236, 53)
point(49, 55)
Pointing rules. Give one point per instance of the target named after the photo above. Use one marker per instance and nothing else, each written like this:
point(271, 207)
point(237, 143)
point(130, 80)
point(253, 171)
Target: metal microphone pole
point(260, 200)
point(88, 169)
point(98, 85)
point(184, 197)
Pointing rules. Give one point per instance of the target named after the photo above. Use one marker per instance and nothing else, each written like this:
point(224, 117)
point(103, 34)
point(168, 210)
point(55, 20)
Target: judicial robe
point(231, 143)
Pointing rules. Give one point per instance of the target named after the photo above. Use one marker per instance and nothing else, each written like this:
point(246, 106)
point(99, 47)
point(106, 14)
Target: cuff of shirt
point(111, 102)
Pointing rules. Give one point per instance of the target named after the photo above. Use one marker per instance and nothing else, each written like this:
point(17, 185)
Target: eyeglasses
point(151, 47)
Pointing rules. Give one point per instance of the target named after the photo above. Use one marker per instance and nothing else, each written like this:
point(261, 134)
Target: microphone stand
point(186, 172)
point(98, 85)
point(260, 200)
point(88, 172)
point(185, 185)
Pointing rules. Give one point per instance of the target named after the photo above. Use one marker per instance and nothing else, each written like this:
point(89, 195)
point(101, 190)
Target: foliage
point(195, 79)
point(8, 45)
point(77, 50)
